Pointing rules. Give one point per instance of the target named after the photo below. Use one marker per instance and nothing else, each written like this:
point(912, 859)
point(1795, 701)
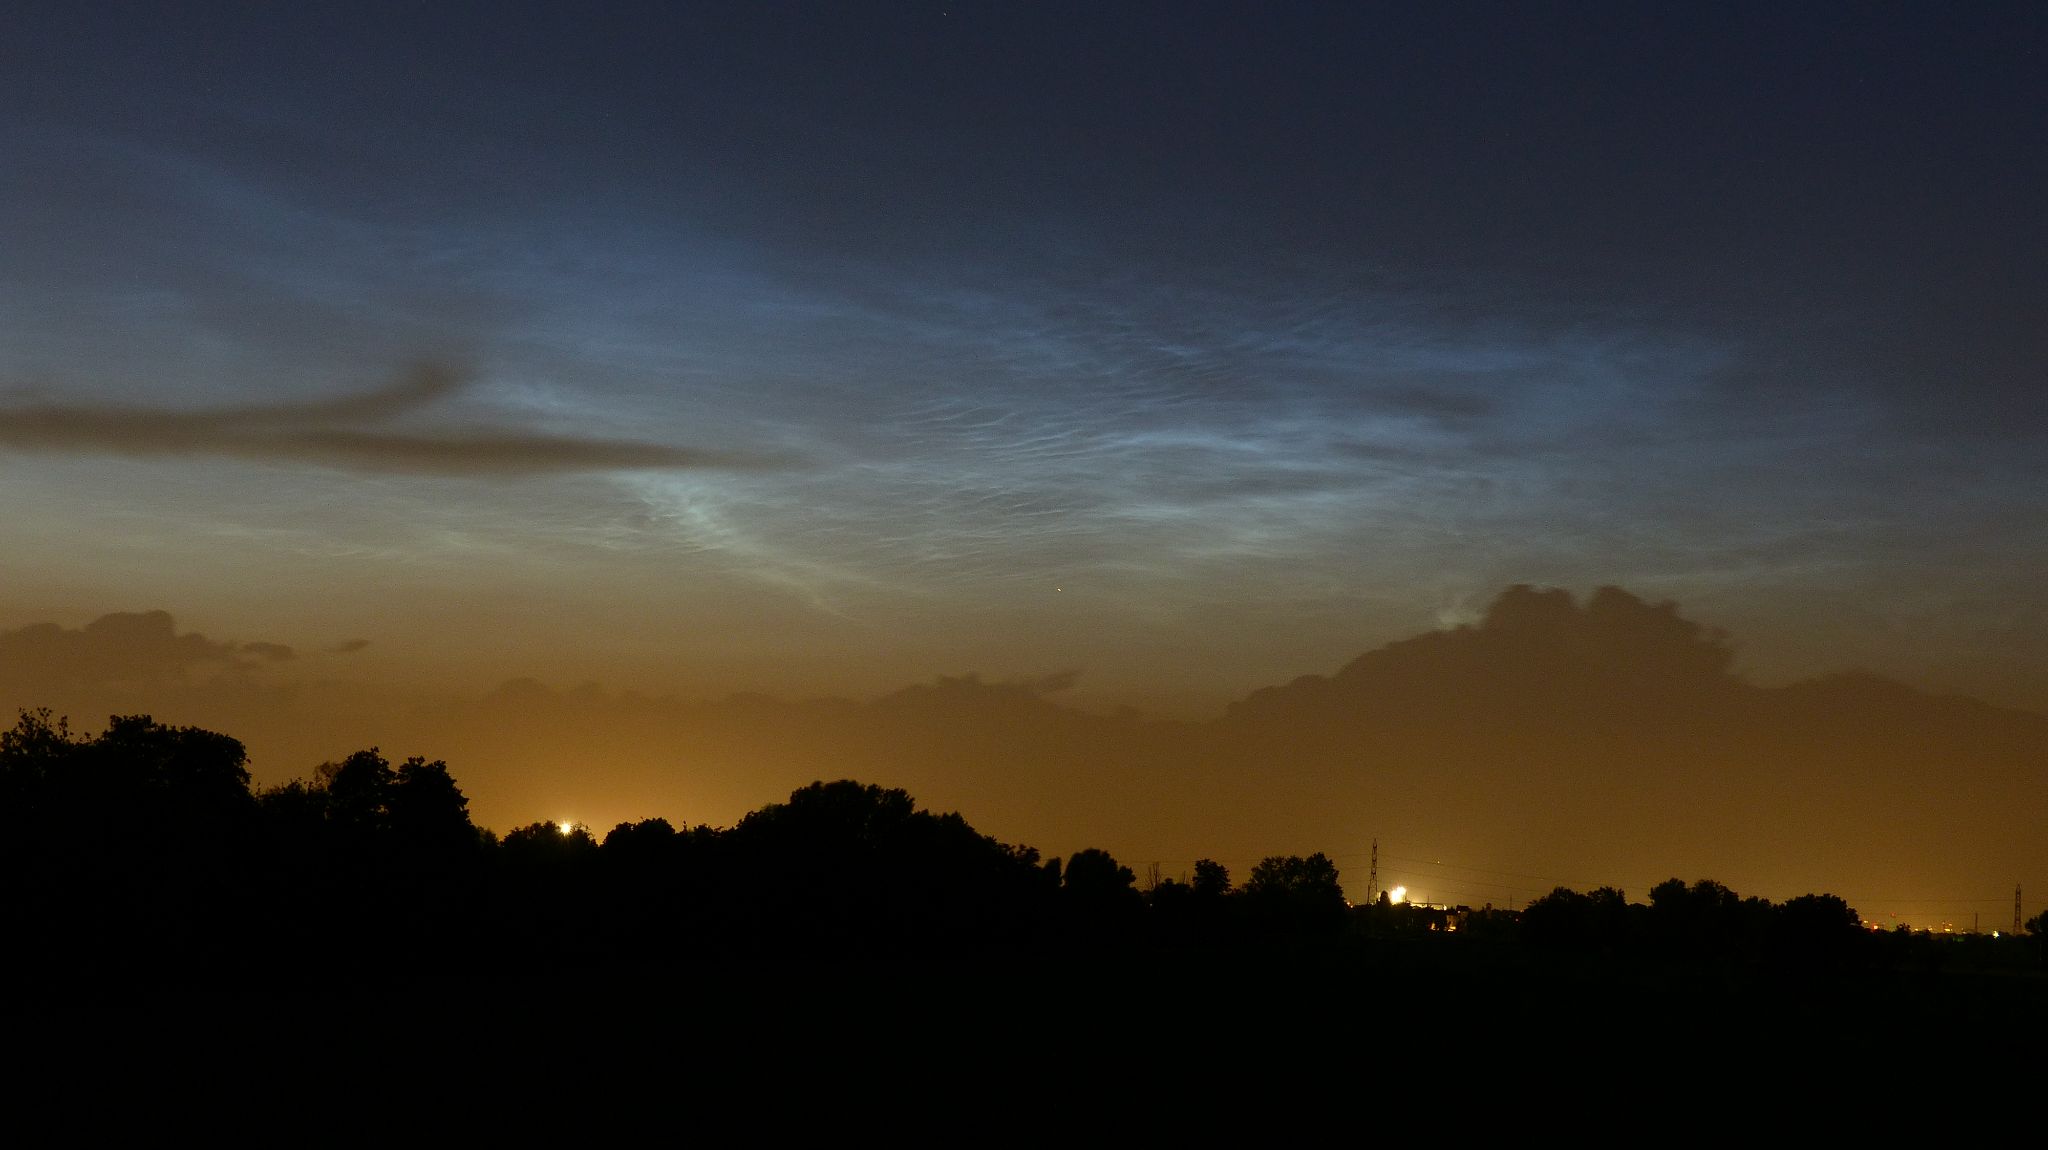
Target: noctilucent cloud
point(827, 347)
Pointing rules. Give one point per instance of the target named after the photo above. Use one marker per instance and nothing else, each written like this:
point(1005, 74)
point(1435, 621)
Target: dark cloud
point(341, 433)
point(1057, 681)
point(268, 652)
point(126, 647)
point(348, 648)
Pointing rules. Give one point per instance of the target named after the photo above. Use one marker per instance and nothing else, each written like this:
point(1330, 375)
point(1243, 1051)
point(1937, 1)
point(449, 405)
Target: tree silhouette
point(184, 768)
point(847, 865)
point(1099, 896)
point(1212, 879)
point(1815, 928)
point(1096, 875)
point(426, 810)
point(1289, 895)
point(1306, 883)
point(358, 790)
point(133, 842)
point(537, 845)
point(1565, 917)
point(145, 845)
point(645, 840)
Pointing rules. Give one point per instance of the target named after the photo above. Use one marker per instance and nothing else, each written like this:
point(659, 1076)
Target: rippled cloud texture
point(834, 348)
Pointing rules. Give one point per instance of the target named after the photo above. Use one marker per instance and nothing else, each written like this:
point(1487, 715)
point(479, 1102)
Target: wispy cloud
point(349, 433)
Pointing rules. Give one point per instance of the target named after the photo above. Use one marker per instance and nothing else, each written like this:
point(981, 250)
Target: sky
point(1162, 352)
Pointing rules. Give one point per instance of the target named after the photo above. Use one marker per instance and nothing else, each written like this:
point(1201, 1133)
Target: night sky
point(1169, 351)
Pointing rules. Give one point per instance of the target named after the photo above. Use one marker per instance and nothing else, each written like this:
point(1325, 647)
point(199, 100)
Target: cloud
point(344, 434)
point(268, 652)
point(1055, 682)
point(126, 647)
point(348, 648)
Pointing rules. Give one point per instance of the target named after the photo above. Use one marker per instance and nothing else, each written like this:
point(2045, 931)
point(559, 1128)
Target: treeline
point(146, 848)
point(1704, 920)
point(144, 852)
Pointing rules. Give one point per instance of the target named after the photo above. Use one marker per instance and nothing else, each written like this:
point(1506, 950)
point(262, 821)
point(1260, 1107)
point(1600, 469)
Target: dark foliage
point(143, 855)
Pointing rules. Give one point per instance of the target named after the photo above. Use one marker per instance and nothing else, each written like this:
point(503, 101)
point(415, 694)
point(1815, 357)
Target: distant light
point(1398, 894)
point(567, 829)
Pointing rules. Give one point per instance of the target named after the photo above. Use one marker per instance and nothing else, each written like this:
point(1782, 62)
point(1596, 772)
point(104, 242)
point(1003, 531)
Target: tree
point(1567, 918)
point(544, 845)
point(1821, 914)
point(136, 842)
point(358, 789)
point(1703, 899)
point(185, 765)
point(1212, 879)
point(35, 738)
point(1707, 917)
point(425, 808)
point(641, 841)
point(842, 813)
point(1815, 927)
point(34, 751)
point(1095, 874)
point(1295, 895)
point(1667, 896)
point(1306, 883)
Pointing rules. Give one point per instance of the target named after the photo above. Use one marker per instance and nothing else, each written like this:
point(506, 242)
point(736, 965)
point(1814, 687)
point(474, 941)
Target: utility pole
point(2015, 908)
point(1372, 877)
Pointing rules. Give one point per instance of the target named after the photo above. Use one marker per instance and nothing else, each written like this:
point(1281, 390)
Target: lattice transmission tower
point(1372, 877)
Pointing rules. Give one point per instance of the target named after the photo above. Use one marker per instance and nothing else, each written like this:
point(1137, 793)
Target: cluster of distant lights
point(1399, 894)
point(1395, 895)
point(1947, 928)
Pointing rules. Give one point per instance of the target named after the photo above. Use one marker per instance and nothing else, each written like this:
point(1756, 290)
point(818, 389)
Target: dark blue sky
point(1192, 346)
